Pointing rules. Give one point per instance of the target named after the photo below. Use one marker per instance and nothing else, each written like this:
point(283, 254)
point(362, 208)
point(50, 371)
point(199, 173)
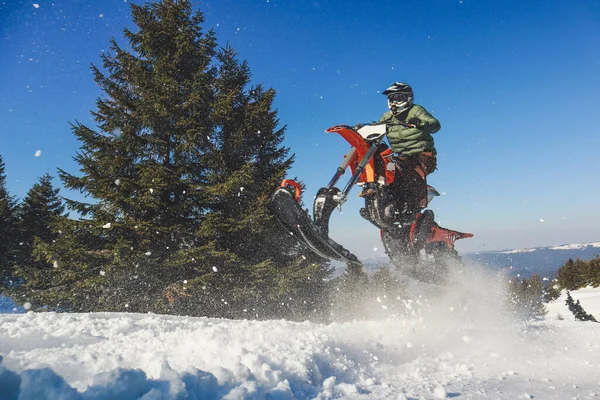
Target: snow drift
point(457, 341)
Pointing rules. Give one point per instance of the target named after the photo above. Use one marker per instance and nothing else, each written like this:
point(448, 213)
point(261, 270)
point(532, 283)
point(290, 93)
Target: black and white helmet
point(400, 97)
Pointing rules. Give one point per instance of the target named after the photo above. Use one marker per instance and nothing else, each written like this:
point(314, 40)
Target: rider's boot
point(422, 228)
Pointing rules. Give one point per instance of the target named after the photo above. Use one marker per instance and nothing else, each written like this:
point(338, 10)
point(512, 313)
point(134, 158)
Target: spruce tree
point(567, 275)
point(577, 310)
point(35, 214)
point(178, 171)
point(8, 234)
point(577, 274)
point(525, 296)
point(594, 271)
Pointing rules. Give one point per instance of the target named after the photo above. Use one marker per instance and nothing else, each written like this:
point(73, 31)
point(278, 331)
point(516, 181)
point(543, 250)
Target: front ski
point(296, 220)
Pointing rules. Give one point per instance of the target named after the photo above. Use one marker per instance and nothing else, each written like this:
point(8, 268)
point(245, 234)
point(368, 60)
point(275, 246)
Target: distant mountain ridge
point(544, 261)
point(561, 247)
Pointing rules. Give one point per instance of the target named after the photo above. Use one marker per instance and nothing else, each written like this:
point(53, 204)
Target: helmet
point(400, 97)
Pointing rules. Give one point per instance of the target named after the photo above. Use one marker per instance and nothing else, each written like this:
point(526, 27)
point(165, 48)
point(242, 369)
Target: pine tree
point(525, 296)
point(551, 291)
point(577, 310)
point(179, 171)
point(567, 275)
point(35, 214)
point(590, 272)
point(579, 273)
point(594, 277)
point(8, 234)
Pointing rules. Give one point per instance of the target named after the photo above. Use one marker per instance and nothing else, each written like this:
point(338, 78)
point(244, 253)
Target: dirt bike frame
point(365, 141)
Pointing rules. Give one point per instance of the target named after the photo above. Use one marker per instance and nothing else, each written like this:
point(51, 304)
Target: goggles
point(400, 97)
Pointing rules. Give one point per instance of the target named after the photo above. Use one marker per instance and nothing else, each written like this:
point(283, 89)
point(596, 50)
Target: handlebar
point(404, 124)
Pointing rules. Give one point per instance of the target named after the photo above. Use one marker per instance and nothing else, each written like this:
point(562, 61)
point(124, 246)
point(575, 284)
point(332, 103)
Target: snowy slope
point(456, 342)
point(589, 298)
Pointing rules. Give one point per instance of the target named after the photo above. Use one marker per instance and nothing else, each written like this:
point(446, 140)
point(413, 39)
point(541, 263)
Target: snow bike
point(413, 241)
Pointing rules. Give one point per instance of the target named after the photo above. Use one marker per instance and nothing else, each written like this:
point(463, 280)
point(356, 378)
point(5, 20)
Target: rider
point(409, 132)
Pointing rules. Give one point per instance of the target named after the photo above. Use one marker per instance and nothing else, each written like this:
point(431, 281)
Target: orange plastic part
point(356, 141)
point(289, 182)
point(439, 234)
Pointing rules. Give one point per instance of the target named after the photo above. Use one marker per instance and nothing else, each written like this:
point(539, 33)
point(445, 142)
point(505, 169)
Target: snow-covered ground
point(589, 298)
point(454, 342)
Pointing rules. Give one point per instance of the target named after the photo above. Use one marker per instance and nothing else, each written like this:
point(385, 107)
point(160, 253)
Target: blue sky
point(515, 84)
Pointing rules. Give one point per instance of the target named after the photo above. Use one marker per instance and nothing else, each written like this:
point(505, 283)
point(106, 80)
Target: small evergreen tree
point(8, 233)
point(36, 213)
point(551, 291)
point(39, 208)
point(578, 310)
point(594, 277)
point(579, 273)
point(525, 296)
point(566, 275)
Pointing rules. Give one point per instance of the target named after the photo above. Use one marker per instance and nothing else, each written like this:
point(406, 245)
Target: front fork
point(330, 197)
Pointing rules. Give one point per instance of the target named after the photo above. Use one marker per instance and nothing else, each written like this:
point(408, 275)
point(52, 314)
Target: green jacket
point(407, 141)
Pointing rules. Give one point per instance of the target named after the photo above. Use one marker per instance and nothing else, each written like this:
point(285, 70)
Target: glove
point(416, 122)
